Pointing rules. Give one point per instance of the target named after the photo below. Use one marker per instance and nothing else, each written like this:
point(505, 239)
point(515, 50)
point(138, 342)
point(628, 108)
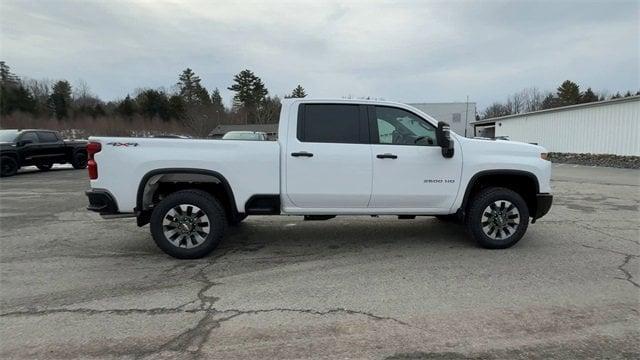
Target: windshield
point(8, 135)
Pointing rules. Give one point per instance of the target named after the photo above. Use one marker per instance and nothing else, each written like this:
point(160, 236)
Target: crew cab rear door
point(52, 148)
point(328, 158)
point(409, 171)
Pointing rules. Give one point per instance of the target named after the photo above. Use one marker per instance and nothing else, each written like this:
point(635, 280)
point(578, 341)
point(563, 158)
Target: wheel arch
point(79, 149)
point(11, 154)
point(195, 178)
point(523, 182)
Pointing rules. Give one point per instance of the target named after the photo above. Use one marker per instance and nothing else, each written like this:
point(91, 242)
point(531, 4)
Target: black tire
point(79, 160)
point(44, 167)
point(238, 220)
point(209, 205)
point(500, 218)
point(9, 166)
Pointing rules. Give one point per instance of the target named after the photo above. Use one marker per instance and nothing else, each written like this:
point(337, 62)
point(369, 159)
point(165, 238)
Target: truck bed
point(250, 167)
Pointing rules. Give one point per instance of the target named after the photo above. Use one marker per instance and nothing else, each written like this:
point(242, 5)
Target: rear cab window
point(332, 123)
point(47, 137)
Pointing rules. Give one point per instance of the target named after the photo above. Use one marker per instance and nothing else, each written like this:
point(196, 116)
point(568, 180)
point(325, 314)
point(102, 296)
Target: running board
point(318, 217)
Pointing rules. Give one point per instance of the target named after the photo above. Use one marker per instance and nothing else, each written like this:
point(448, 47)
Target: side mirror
point(24, 142)
point(443, 135)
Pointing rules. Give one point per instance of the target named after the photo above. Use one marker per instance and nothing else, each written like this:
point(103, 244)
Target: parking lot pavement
point(76, 286)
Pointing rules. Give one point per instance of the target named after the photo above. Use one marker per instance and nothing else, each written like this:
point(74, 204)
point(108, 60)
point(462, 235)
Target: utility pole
point(466, 117)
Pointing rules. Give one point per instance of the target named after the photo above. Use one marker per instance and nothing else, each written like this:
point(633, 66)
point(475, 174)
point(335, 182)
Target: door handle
point(387, 156)
point(301, 153)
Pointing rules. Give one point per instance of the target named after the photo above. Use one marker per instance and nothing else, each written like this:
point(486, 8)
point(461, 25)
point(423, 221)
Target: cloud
point(405, 51)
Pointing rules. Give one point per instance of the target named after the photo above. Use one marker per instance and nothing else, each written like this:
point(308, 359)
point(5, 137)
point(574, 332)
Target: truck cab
point(332, 157)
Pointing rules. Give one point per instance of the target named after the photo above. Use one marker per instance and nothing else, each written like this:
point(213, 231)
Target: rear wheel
point(79, 160)
point(44, 167)
point(188, 224)
point(8, 166)
point(497, 218)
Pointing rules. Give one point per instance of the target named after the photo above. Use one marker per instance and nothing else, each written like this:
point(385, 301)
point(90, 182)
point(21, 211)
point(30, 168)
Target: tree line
point(189, 104)
point(532, 99)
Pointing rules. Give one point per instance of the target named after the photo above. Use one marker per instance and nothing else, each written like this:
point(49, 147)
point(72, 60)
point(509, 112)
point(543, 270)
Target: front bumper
point(101, 201)
point(543, 204)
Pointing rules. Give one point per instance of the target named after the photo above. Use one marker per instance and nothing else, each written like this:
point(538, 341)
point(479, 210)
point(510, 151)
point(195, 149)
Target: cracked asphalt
point(76, 286)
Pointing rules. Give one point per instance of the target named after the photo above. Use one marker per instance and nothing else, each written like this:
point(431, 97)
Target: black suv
point(41, 148)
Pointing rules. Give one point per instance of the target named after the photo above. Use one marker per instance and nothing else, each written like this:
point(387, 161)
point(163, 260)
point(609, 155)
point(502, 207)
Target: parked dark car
point(41, 148)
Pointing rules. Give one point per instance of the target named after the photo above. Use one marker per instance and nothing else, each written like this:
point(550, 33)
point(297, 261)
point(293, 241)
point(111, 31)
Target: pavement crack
point(321, 313)
point(191, 340)
point(627, 274)
point(627, 257)
point(88, 311)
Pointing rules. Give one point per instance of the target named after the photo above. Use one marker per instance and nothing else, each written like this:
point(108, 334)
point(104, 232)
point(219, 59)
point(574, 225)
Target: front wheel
point(497, 218)
point(188, 224)
point(9, 166)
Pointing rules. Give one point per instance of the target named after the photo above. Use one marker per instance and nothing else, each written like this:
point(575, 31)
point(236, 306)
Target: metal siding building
point(459, 115)
point(605, 127)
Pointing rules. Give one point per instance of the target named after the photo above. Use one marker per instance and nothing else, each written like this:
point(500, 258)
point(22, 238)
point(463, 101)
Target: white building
point(603, 127)
point(459, 115)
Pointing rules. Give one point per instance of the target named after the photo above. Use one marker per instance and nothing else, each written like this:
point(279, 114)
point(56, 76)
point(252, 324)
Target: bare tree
point(40, 90)
point(268, 111)
point(496, 110)
point(200, 119)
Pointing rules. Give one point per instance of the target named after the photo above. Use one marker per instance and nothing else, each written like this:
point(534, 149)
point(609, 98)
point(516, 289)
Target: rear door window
point(47, 137)
point(330, 123)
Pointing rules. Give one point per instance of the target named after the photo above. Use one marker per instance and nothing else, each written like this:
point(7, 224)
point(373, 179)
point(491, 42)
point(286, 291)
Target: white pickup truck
point(332, 157)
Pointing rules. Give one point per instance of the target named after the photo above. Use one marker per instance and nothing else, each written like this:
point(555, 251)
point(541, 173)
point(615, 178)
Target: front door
point(328, 159)
point(29, 145)
point(409, 171)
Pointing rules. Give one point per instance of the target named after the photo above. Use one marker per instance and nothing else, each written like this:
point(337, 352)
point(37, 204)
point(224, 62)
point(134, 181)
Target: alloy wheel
point(186, 226)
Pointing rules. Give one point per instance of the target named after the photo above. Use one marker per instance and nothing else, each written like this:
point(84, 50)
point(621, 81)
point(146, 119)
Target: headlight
point(544, 156)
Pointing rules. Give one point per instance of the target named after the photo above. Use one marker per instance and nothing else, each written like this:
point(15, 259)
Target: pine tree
point(550, 102)
point(588, 96)
point(60, 99)
point(176, 107)
point(98, 110)
point(569, 93)
point(127, 107)
point(250, 90)
point(153, 103)
point(216, 99)
point(14, 96)
point(191, 90)
point(7, 78)
point(298, 92)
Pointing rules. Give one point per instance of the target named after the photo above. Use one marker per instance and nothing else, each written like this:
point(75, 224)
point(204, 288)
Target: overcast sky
point(412, 51)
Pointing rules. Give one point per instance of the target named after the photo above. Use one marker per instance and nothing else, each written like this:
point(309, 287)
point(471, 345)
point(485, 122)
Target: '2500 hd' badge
point(439, 181)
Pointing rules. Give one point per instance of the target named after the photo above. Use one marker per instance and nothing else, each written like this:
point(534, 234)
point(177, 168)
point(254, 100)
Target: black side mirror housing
point(24, 142)
point(443, 135)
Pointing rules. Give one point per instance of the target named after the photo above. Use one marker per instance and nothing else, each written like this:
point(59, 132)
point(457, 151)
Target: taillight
point(92, 149)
